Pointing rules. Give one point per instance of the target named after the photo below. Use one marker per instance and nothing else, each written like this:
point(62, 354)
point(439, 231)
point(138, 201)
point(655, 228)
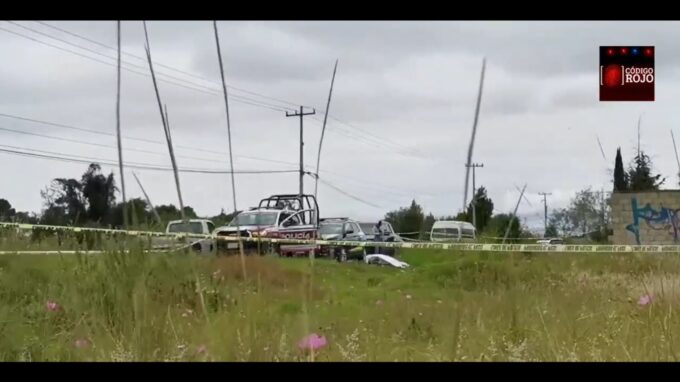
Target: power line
point(368, 141)
point(92, 131)
point(364, 182)
point(201, 88)
point(167, 66)
point(99, 144)
point(72, 158)
point(238, 98)
point(381, 139)
point(338, 189)
point(211, 90)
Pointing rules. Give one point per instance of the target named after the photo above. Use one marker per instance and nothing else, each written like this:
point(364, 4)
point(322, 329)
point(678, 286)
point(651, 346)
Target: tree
point(551, 231)
point(409, 219)
point(620, 175)
point(461, 217)
point(99, 192)
point(6, 210)
point(640, 174)
point(483, 210)
point(26, 217)
point(587, 214)
point(498, 224)
point(223, 218)
point(427, 225)
point(169, 212)
point(64, 202)
point(139, 213)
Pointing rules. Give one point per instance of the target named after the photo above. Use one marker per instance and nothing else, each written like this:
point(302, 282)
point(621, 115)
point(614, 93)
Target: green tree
point(407, 219)
point(427, 225)
point(223, 218)
point(6, 210)
point(640, 174)
point(551, 231)
point(498, 224)
point(587, 214)
point(620, 175)
point(168, 212)
point(25, 217)
point(63, 201)
point(139, 213)
point(483, 211)
point(99, 192)
point(461, 217)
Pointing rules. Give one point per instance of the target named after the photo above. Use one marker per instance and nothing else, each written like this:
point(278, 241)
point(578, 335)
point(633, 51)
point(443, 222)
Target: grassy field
point(448, 307)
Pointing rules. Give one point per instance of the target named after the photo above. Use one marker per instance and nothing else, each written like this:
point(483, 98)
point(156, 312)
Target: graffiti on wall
point(665, 219)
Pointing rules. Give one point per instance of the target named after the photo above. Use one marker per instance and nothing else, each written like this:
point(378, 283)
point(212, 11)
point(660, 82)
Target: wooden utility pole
point(231, 157)
point(545, 211)
point(120, 145)
point(675, 148)
point(148, 201)
point(301, 114)
point(514, 214)
point(474, 192)
point(166, 125)
point(474, 133)
point(323, 130)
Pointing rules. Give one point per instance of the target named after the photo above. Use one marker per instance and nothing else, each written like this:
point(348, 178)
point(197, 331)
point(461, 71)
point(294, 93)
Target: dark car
point(345, 229)
point(382, 231)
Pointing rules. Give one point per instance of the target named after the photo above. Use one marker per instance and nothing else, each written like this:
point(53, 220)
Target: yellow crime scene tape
point(410, 244)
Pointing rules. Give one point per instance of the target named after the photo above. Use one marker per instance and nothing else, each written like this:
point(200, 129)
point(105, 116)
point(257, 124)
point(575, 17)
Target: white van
point(451, 230)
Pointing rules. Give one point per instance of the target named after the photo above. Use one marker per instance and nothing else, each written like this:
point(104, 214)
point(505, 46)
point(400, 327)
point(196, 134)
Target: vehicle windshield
point(368, 228)
point(445, 233)
point(331, 229)
point(191, 227)
point(254, 218)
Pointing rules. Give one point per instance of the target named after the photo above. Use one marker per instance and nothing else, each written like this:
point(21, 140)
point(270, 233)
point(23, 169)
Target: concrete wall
point(646, 218)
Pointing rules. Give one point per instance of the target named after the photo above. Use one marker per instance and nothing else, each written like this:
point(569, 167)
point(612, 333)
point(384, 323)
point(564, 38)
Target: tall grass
point(135, 306)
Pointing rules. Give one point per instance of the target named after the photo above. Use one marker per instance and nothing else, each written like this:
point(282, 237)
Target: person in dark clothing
point(378, 235)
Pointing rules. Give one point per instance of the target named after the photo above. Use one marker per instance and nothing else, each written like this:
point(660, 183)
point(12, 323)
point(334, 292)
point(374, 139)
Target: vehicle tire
point(342, 256)
point(363, 254)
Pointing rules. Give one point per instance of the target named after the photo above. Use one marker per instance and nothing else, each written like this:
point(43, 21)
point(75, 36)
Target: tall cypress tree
point(620, 176)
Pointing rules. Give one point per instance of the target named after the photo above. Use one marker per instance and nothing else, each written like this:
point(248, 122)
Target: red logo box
point(627, 73)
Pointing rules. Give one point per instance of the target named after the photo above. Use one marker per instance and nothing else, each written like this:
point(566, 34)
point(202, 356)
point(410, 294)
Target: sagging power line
point(365, 136)
point(110, 162)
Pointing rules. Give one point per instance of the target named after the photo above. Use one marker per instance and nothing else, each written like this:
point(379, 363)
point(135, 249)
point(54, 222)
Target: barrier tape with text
point(412, 244)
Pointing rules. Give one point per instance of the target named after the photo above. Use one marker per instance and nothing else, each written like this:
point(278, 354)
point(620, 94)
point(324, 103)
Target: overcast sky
point(400, 119)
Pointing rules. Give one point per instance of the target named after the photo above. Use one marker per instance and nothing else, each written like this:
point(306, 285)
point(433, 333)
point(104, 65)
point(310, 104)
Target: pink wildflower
point(645, 300)
point(52, 306)
point(312, 342)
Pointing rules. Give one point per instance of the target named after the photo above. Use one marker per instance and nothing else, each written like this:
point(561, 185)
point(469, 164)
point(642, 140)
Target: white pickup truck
point(192, 226)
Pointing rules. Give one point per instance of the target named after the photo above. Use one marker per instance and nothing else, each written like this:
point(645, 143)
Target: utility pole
point(514, 214)
point(545, 210)
point(148, 201)
point(301, 114)
point(474, 192)
point(474, 132)
point(120, 146)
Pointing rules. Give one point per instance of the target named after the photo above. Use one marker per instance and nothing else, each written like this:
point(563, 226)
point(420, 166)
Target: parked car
point(345, 229)
point(452, 231)
point(382, 231)
point(342, 229)
point(191, 226)
point(288, 216)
